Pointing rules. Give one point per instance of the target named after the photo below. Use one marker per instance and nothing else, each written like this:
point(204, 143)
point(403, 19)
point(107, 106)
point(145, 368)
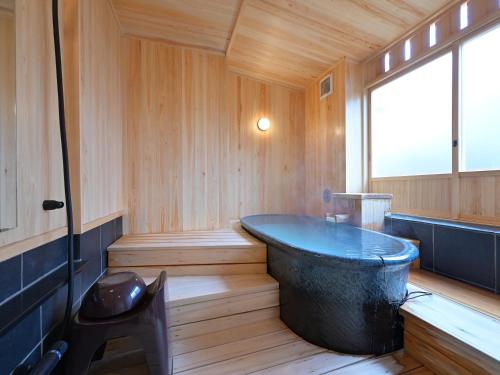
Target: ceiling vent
point(326, 86)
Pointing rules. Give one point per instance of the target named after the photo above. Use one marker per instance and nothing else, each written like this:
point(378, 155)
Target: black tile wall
point(18, 343)
point(118, 227)
point(38, 330)
point(10, 277)
point(91, 272)
point(467, 252)
point(497, 256)
point(466, 255)
point(421, 231)
point(34, 357)
point(87, 245)
point(43, 259)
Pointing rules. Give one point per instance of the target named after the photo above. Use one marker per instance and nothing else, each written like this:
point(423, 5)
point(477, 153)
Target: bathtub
point(340, 286)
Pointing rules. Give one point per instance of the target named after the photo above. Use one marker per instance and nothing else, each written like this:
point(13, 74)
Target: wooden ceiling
point(286, 41)
point(204, 24)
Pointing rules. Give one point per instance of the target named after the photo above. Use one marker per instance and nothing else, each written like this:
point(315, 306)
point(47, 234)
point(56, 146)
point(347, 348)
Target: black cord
point(67, 187)
point(413, 295)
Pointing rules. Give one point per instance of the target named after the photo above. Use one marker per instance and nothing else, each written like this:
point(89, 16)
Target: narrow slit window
point(408, 49)
point(432, 35)
point(464, 16)
point(387, 62)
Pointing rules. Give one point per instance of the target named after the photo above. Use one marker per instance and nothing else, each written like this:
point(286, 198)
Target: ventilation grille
point(326, 86)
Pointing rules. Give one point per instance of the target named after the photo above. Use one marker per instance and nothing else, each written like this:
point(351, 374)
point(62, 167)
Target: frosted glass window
point(411, 122)
point(480, 103)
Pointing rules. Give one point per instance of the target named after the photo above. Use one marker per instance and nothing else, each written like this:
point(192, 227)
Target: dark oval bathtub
point(340, 286)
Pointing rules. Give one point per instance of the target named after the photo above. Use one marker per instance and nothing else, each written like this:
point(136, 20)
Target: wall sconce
point(263, 124)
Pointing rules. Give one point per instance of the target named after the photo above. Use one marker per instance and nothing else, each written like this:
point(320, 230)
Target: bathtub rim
point(412, 252)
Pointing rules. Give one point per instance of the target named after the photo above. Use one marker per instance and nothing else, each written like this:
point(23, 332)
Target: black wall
point(466, 252)
point(21, 276)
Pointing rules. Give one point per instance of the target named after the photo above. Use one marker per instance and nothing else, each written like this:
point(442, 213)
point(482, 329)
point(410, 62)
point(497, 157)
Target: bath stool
point(116, 306)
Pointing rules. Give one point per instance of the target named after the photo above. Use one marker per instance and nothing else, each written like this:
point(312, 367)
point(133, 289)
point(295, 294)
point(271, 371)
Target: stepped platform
point(230, 325)
point(224, 316)
point(189, 253)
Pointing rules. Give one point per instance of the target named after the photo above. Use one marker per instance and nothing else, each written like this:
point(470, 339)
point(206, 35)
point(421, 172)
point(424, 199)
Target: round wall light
point(263, 124)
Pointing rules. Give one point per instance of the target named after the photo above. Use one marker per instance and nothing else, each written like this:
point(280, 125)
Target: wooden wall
point(194, 157)
point(91, 43)
point(417, 195)
point(93, 110)
point(100, 114)
point(39, 163)
point(333, 149)
point(471, 197)
point(8, 215)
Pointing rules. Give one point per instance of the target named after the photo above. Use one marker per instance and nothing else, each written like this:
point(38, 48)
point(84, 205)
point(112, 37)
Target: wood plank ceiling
point(286, 41)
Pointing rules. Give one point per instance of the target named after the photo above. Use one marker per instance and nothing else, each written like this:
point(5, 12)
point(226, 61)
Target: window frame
point(455, 49)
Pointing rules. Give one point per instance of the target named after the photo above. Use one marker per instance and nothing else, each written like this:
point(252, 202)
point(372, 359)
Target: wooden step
point(196, 298)
point(190, 253)
point(197, 270)
point(449, 338)
point(186, 290)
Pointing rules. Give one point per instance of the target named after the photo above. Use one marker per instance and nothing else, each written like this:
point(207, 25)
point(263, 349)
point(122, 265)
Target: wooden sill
point(478, 299)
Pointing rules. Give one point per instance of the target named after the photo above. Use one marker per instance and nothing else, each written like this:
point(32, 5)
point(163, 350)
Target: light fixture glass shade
point(263, 124)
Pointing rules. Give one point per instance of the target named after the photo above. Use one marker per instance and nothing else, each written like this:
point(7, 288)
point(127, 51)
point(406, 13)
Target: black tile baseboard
point(10, 277)
point(497, 257)
point(421, 231)
point(466, 255)
point(19, 342)
point(463, 251)
point(43, 259)
point(43, 269)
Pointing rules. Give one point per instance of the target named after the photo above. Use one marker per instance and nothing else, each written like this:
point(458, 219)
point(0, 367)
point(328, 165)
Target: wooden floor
point(230, 325)
point(262, 347)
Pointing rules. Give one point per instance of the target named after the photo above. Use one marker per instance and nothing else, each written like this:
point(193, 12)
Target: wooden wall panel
point(325, 144)
point(39, 162)
point(333, 151)
point(194, 157)
point(100, 112)
point(425, 196)
point(480, 198)
point(8, 204)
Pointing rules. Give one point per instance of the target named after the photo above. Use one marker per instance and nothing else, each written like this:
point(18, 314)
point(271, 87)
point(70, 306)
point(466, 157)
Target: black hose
point(50, 359)
point(67, 188)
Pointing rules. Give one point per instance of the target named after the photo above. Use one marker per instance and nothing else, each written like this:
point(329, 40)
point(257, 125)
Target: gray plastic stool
point(117, 306)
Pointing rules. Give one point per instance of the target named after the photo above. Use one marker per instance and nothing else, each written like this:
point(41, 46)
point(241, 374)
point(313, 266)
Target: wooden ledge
point(459, 333)
point(478, 299)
